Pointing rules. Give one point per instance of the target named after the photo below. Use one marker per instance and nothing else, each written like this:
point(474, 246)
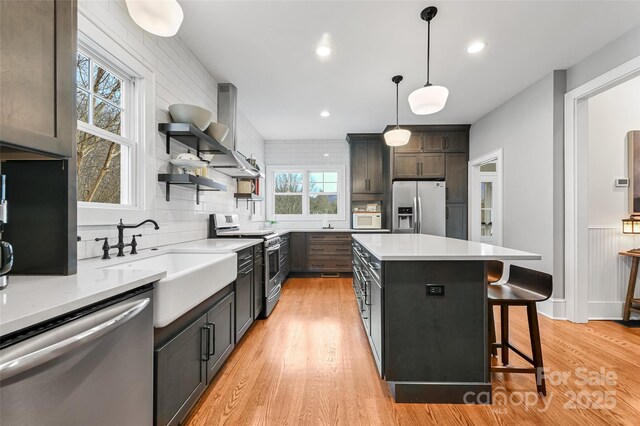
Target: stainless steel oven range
point(228, 226)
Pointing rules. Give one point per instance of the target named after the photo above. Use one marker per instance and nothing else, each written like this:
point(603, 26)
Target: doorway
point(485, 195)
point(576, 164)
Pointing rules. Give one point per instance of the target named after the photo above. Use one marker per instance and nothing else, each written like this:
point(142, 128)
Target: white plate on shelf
point(188, 164)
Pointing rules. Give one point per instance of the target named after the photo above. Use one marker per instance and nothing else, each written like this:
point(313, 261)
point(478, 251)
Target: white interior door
point(485, 198)
point(488, 214)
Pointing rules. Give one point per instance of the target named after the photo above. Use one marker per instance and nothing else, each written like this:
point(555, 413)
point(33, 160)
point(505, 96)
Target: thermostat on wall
point(622, 182)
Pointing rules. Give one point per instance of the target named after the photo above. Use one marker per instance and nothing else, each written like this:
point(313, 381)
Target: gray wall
point(616, 53)
point(524, 127)
point(530, 128)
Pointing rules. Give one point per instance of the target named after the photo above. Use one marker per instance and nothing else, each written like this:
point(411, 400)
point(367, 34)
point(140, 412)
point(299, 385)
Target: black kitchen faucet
point(121, 245)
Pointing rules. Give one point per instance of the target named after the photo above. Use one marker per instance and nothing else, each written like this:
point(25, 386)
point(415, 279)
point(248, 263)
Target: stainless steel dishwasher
point(92, 367)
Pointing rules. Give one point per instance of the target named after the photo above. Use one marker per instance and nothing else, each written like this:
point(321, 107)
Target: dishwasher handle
point(22, 362)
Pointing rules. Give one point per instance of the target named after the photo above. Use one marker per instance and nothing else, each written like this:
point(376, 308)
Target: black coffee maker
point(6, 251)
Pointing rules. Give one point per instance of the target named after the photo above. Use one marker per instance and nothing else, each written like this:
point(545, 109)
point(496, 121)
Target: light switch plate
point(622, 182)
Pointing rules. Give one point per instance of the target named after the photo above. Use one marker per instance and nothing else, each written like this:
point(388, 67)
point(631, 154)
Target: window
point(323, 193)
point(288, 193)
point(306, 194)
point(106, 145)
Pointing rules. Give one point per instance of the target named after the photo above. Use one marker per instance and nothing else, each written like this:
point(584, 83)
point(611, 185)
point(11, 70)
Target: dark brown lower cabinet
point(185, 364)
point(244, 301)
point(220, 326)
point(298, 251)
point(258, 288)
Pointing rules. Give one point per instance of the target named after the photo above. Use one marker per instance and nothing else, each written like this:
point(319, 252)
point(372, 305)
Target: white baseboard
point(554, 309)
point(608, 311)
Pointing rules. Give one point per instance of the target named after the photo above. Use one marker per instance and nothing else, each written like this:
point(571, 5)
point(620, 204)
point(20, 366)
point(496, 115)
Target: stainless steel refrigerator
point(419, 207)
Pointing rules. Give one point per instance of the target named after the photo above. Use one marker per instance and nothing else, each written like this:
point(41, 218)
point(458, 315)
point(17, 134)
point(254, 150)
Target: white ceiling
point(267, 49)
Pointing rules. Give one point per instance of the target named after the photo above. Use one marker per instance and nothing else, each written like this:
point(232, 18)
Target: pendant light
point(397, 136)
point(428, 99)
point(160, 17)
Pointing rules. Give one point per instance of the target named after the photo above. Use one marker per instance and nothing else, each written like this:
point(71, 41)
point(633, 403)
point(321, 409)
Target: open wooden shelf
point(199, 183)
point(189, 135)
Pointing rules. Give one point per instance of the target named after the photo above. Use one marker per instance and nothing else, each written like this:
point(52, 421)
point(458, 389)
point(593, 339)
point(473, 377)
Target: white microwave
point(363, 220)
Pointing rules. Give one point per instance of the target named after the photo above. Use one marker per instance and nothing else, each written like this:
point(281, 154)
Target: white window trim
point(305, 216)
point(141, 103)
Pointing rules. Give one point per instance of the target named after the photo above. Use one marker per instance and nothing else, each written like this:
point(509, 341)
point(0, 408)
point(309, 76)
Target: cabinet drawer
point(329, 236)
point(329, 264)
point(332, 248)
point(245, 258)
point(258, 251)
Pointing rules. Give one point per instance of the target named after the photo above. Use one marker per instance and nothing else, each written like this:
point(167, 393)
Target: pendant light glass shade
point(397, 137)
point(428, 99)
point(160, 17)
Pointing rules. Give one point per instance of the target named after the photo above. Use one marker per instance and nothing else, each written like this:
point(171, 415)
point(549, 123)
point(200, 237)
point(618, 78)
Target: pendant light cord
point(397, 125)
point(428, 48)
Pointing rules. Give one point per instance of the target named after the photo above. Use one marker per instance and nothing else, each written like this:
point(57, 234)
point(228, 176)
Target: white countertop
point(29, 300)
point(364, 231)
point(411, 247)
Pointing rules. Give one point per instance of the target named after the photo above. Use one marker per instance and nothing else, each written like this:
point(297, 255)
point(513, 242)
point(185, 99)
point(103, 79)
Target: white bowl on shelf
point(185, 113)
point(217, 131)
point(186, 163)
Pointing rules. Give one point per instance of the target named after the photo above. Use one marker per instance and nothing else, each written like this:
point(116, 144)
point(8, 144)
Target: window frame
point(140, 131)
point(306, 170)
point(128, 135)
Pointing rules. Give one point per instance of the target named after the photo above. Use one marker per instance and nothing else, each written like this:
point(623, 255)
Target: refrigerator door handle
point(415, 215)
point(419, 215)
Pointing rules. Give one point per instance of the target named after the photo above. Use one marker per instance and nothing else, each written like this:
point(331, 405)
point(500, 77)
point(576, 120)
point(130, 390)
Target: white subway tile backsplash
point(180, 78)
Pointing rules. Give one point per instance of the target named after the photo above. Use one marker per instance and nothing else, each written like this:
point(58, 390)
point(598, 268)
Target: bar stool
point(525, 287)
point(495, 269)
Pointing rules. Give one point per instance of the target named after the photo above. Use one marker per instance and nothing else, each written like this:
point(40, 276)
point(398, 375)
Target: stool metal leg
point(504, 334)
point(492, 332)
point(536, 347)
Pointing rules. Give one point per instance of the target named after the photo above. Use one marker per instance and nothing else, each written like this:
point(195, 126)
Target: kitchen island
point(423, 303)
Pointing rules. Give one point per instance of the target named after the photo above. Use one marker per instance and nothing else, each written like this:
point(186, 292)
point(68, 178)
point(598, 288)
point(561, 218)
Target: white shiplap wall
point(180, 78)
point(311, 153)
point(608, 271)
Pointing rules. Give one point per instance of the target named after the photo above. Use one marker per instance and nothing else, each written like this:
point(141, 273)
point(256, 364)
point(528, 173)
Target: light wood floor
point(309, 363)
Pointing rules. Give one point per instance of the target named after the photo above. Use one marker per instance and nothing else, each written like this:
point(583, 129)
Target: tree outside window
point(102, 149)
point(323, 193)
point(306, 192)
point(288, 193)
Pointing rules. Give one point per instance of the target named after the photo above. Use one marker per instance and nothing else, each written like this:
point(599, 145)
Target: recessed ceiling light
point(476, 46)
point(325, 113)
point(323, 51)
point(326, 155)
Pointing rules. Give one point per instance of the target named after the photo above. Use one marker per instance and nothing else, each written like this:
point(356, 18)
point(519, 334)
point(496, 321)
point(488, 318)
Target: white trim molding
point(554, 308)
point(143, 104)
point(575, 180)
point(474, 196)
point(305, 170)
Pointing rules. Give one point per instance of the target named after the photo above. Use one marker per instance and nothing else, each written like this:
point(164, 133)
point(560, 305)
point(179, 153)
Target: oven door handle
point(274, 248)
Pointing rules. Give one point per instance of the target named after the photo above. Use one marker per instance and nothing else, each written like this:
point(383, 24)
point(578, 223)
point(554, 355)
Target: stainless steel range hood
point(233, 164)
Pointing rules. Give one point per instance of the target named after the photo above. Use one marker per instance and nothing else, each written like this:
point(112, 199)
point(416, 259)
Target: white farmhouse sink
point(191, 278)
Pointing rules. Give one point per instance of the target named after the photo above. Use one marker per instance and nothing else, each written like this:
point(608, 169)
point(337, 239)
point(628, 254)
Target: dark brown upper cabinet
point(424, 156)
point(419, 166)
point(366, 164)
point(415, 143)
point(37, 88)
point(454, 141)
